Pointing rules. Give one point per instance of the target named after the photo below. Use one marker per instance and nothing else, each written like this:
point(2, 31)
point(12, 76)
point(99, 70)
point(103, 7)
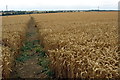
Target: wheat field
point(79, 44)
point(13, 32)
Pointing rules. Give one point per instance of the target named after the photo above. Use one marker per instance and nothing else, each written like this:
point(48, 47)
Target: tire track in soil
point(28, 62)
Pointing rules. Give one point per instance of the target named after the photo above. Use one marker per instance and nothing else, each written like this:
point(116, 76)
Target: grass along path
point(32, 61)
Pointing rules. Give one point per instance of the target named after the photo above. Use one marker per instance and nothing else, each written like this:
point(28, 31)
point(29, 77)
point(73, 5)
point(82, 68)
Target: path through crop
point(32, 61)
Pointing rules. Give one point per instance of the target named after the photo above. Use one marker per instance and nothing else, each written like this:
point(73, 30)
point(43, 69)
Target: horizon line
point(66, 10)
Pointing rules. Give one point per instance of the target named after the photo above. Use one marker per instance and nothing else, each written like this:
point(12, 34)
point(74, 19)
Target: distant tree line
point(12, 12)
point(6, 13)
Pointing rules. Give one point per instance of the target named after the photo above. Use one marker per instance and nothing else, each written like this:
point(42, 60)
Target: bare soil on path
point(27, 63)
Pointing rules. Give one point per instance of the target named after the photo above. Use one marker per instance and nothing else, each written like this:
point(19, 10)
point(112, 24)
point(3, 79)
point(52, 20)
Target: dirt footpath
point(32, 61)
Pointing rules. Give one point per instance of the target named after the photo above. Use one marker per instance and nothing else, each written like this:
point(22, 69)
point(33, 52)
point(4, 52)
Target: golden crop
point(82, 44)
point(13, 32)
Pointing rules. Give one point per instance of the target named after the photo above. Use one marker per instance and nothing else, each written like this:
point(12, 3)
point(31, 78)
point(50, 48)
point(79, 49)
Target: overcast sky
point(58, 4)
